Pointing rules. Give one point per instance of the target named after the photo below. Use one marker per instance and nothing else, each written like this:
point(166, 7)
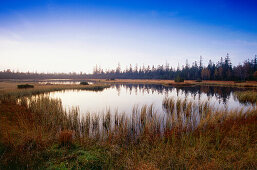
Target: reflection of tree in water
point(221, 93)
point(118, 89)
point(144, 88)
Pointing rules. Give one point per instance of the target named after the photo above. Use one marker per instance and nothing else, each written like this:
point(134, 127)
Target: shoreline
point(10, 88)
point(173, 83)
point(247, 84)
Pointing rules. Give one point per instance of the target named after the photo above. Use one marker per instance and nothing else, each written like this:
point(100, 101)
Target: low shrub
point(24, 86)
point(179, 79)
point(240, 81)
point(110, 79)
point(84, 83)
point(198, 80)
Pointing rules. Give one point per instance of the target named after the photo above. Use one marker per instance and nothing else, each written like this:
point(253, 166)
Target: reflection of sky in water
point(62, 82)
point(124, 97)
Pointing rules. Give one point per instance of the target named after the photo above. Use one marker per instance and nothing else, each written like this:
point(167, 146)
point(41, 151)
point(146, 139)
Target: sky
point(75, 35)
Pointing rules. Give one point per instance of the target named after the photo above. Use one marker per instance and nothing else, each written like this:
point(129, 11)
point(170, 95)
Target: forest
point(222, 70)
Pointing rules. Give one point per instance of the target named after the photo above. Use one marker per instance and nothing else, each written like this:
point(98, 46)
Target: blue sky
point(67, 36)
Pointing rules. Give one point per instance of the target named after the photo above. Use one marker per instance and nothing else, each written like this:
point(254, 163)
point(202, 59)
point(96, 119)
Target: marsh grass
point(247, 96)
point(38, 132)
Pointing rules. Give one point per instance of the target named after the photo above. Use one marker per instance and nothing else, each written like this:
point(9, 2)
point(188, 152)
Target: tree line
point(222, 70)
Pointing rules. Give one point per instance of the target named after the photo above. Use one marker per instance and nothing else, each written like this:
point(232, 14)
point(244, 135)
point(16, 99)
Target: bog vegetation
point(36, 132)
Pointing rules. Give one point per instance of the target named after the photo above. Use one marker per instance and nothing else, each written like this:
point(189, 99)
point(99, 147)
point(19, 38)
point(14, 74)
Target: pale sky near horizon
point(74, 36)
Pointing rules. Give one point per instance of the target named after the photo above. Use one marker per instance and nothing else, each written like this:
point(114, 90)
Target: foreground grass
point(40, 134)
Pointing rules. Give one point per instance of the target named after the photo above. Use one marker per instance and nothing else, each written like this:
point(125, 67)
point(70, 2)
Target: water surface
point(62, 81)
point(123, 97)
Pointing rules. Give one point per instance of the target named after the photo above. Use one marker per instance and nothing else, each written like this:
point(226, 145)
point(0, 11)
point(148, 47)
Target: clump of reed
point(180, 113)
point(246, 96)
point(184, 110)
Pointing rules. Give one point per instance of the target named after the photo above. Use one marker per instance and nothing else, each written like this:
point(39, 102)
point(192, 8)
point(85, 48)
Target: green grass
point(30, 130)
point(76, 158)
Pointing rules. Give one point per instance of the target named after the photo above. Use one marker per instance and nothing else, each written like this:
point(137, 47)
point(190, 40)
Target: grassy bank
point(250, 84)
point(40, 134)
point(10, 90)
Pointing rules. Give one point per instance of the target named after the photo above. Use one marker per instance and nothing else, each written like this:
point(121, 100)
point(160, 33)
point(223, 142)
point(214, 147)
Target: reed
point(247, 96)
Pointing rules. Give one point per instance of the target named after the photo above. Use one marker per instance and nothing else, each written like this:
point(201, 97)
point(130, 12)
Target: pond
point(124, 97)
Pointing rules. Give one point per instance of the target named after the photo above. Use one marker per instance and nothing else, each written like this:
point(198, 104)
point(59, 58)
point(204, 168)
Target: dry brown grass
point(66, 137)
point(22, 137)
